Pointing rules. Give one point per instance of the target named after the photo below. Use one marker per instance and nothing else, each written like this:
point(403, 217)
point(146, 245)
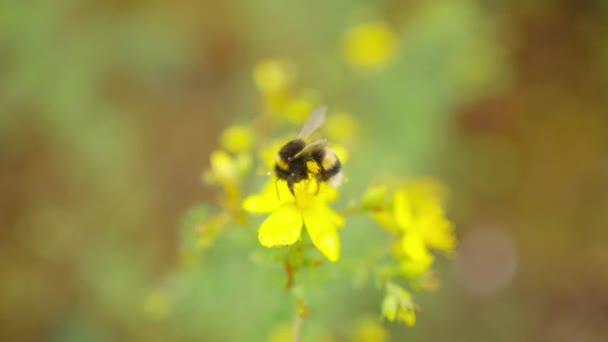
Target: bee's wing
point(315, 120)
point(313, 146)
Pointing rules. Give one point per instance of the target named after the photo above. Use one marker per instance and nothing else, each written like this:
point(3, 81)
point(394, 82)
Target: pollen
point(313, 167)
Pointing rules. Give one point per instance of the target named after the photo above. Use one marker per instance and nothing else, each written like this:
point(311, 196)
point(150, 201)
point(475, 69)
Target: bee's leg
point(318, 178)
point(276, 187)
point(290, 183)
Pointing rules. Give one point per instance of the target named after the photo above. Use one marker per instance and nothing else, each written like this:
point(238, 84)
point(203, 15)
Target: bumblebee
point(297, 160)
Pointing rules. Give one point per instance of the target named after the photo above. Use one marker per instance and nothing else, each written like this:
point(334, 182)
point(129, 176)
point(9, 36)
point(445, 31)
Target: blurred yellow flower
point(238, 138)
point(274, 79)
point(298, 107)
point(288, 213)
point(272, 76)
point(227, 169)
point(370, 46)
point(417, 216)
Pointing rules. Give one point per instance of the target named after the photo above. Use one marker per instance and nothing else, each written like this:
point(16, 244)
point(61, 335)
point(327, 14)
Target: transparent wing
point(313, 146)
point(315, 120)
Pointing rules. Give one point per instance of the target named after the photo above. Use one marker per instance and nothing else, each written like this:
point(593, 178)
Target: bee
point(297, 160)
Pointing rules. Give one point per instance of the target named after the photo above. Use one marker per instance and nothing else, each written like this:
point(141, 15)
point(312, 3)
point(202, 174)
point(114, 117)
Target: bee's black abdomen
point(330, 164)
point(334, 170)
point(318, 155)
point(282, 174)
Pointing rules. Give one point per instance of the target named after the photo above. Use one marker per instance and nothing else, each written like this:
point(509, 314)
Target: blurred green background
point(109, 110)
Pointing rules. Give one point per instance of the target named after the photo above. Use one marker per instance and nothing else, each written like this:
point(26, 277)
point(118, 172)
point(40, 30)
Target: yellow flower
point(274, 79)
point(238, 138)
point(289, 213)
point(418, 210)
point(417, 216)
point(273, 76)
point(370, 46)
point(297, 108)
point(227, 169)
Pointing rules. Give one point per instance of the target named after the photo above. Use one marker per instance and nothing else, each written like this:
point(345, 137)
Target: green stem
point(297, 327)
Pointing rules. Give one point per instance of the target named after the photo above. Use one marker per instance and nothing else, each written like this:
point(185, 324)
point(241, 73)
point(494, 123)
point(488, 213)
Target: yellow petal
point(416, 256)
point(438, 233)
point(282, 227)
point(386, 219)
point(402, 209)
point(258, 204)
point(273, 195)
point(321, 224)
point(426, 189)
point(327, 193)
point(414, 248)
